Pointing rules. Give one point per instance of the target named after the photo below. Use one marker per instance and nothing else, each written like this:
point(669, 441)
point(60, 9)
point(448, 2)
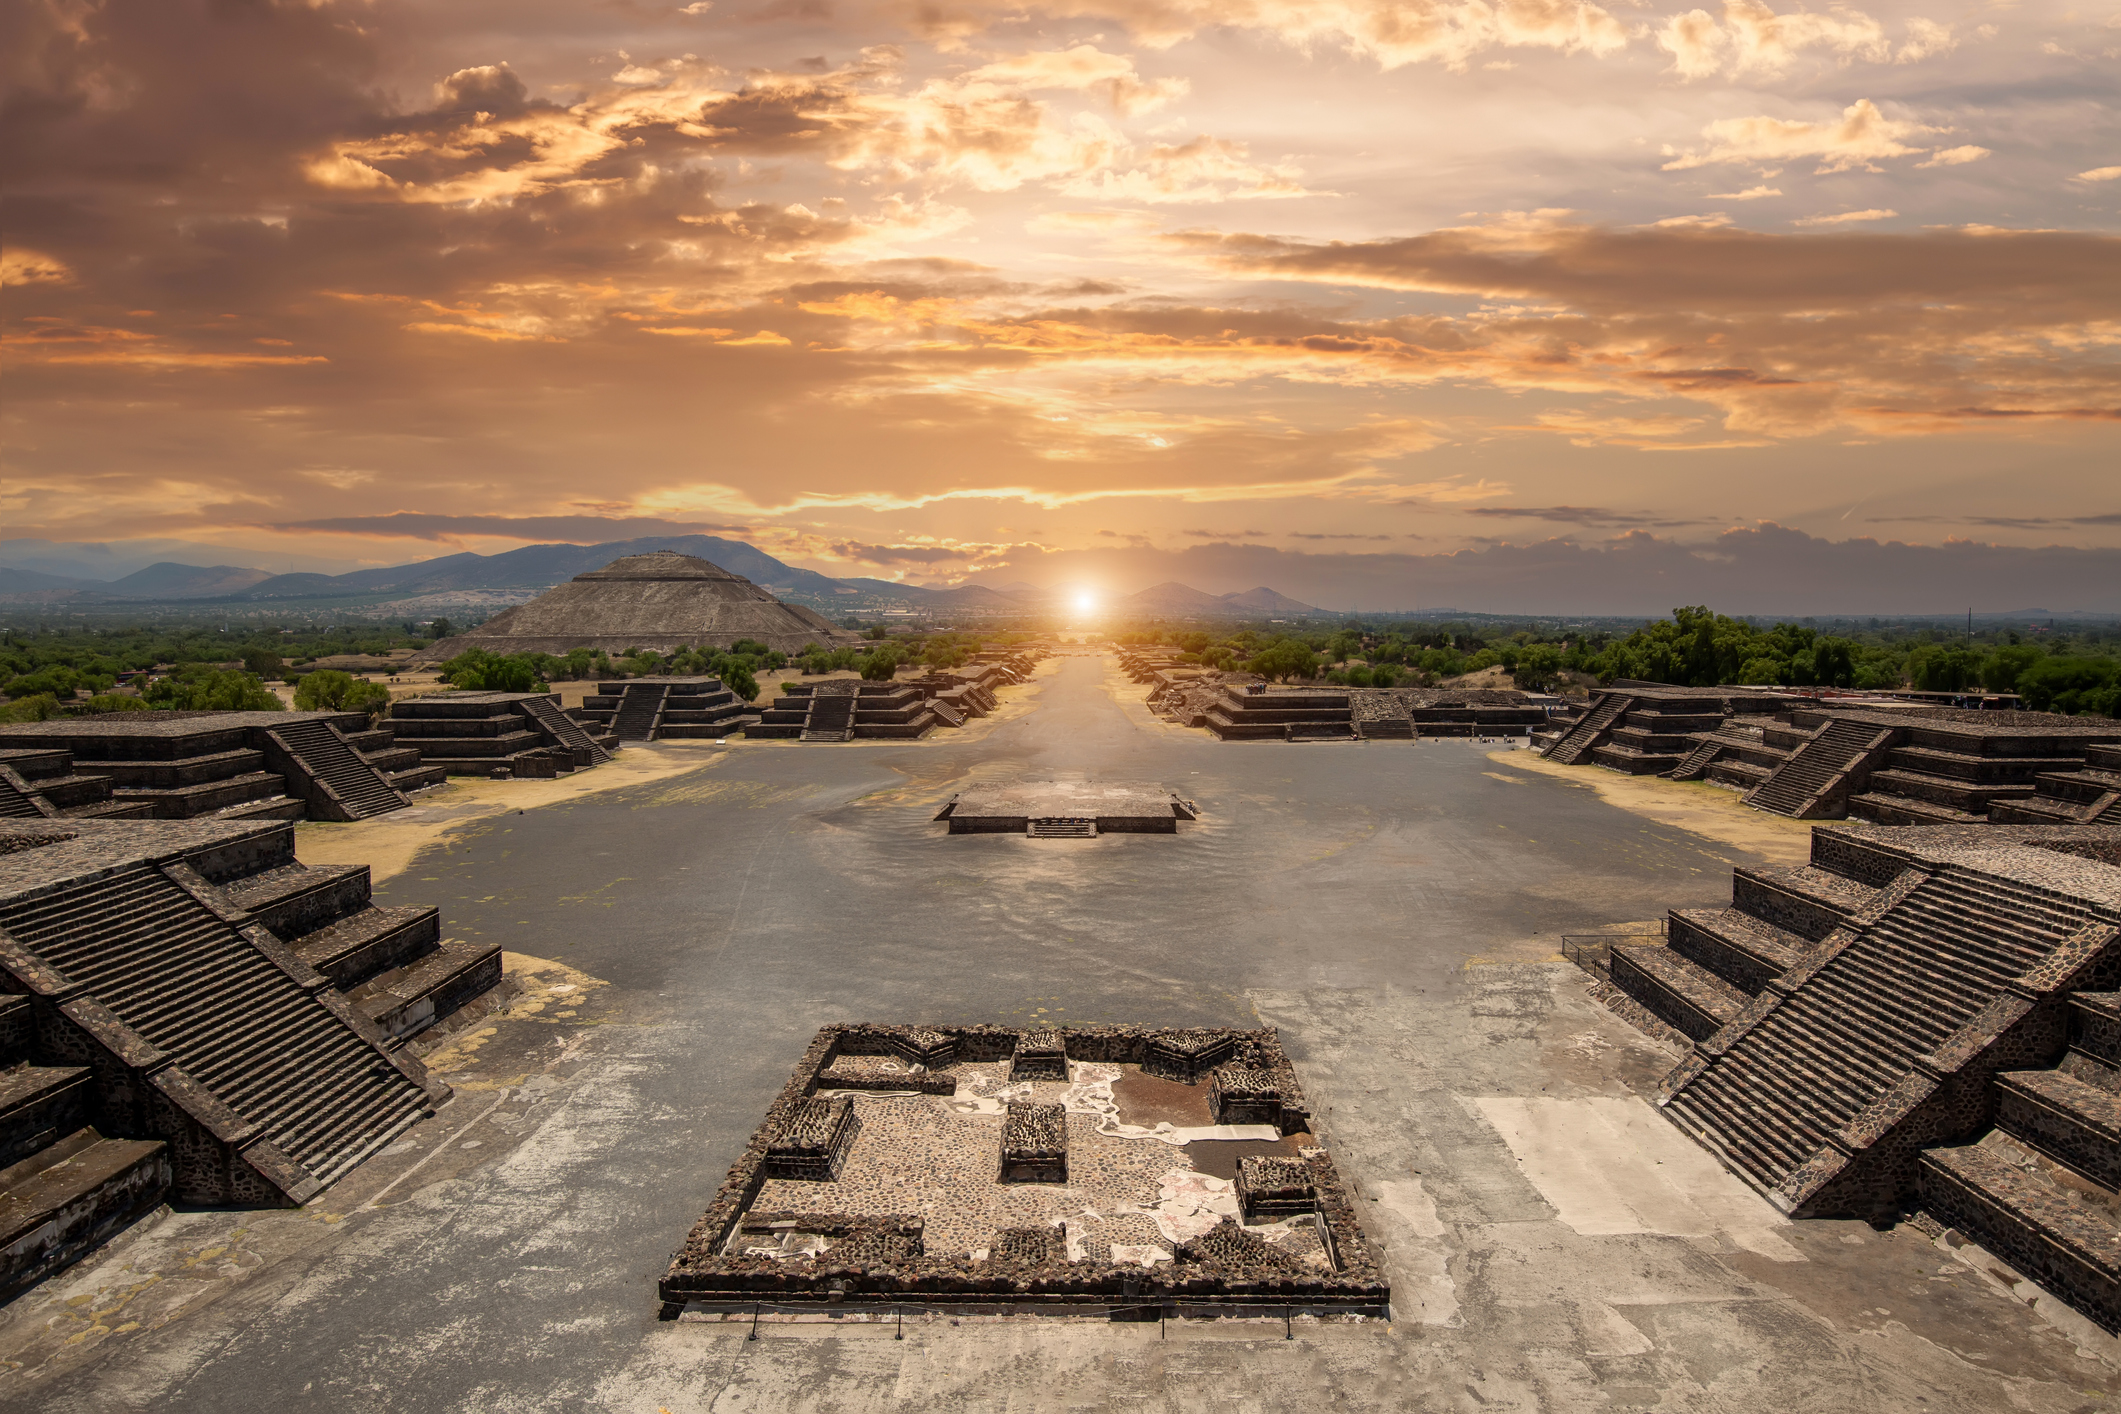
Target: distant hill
point(169, 580)
point(537, 566)
point(14, 581)
point(1266, 600)
point(1171, 597)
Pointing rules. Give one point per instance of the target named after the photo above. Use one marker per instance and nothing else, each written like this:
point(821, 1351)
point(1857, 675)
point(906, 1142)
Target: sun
point(1085, 602)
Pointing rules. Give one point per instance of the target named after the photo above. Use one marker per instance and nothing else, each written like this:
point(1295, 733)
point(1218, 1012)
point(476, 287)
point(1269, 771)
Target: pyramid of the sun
point(661, 601)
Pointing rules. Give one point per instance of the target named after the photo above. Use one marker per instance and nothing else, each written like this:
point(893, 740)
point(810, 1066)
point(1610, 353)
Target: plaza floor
point(1395, 908)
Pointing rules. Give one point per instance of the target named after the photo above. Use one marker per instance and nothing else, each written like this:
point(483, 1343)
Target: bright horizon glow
point(1085, 602)
point(1093, 294)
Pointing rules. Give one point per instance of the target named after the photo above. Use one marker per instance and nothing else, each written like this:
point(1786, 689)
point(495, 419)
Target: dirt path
point(1695, 806)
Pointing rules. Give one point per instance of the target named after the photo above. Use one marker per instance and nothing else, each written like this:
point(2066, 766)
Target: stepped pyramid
point(188, 1011)
point(662, 601)
point(1921, 1017)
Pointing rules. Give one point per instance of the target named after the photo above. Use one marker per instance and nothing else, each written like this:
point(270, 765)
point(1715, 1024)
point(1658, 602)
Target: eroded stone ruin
point(1824, 759)
point(1919, 1021)
point(985, 1167)
point(228, 765)
point(663, 601)
point(663, 709)
point(848, 709)
point(1066, 809)
point(477, 733)
point(189, 1013)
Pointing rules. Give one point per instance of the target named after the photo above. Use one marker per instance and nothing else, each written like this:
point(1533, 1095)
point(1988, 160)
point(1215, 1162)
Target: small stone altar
point(1066, 809)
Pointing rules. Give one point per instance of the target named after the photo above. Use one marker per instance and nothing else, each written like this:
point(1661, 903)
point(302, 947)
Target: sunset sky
point(1518, 305)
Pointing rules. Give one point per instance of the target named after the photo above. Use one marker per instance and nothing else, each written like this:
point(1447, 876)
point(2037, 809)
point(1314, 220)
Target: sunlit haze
point(1522, 306)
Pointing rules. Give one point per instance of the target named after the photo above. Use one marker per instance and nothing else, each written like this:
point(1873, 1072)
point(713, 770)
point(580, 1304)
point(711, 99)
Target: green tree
point(1284, 660)
point(38, 707)
point(439, 629)
point(2073, 686)
point(880, 666)
point(201, 687)
point(2002, 668)
point(1538, 667)
point(478, 670)
point(1933, 668)
point(329, 690)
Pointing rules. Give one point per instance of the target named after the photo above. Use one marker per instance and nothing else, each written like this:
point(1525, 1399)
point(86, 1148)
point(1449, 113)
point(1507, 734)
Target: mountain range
point(536, 567)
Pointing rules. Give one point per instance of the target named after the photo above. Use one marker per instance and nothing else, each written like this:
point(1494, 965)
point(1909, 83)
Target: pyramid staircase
point(2086, 795)
point(1921, 1017)
point(1657, 734)
point(1819, 776)
point(337, 782)
point(187, 1010)
point(566, 732)
point(830, 718)
point(1590, 729)
point(40, 784)
point(638, 714)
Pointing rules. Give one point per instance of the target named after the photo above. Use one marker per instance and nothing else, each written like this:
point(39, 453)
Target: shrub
point(477, 670)
point(880, 666)
point(334, 691)
point(39, 707)
point(115, 702)
point(2074, 686)
point(199, 687)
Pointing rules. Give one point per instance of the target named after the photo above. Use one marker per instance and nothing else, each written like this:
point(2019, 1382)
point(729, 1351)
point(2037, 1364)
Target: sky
point(1522, 305)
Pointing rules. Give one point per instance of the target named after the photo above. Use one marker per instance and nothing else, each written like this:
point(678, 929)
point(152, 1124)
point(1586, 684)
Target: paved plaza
point(1394, 908)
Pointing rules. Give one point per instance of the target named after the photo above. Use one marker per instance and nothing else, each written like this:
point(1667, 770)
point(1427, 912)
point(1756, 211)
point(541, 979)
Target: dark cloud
point(1224, 534)
point(1316, 535)
point(588, 530)
point(900, 554)
point(1577, 515)
point(2001, 522)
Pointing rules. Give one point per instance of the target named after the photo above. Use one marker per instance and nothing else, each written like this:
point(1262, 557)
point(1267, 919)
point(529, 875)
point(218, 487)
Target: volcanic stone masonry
point(479, 733)
point(1830, 758)
point(663, 708)
point(224, 765)
point(1066, 810)
point(664, 602)
point(979, 1167)
point(1921, 1019)
point(848, 709)
point(189, 1012)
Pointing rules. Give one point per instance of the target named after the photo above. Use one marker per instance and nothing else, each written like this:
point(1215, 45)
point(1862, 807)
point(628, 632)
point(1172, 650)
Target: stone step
point(1680, 991)
point(1745, 951)
point(378, 937)
point(1616, 757)
point(190, 984)
point(272, 807)
point(206, 798)
point(38, 1104)
point(2063, 1116)
point(418, 778)
point(405, 1001)
point(294, 898)
point(1970, 796)
point(1968, 766)
point(2069, 1249)
point(1742, 774)
point(1898, 810)
point(176, 774)
point(62, 1202)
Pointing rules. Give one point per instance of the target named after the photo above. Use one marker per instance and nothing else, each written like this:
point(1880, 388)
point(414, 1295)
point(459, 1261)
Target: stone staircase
point(337, 782)
point(64, 1186)
point(2086, 795)
point(1886, 1036)
point(1821, 774)
point(1590, 729)
point(1255, 712)
point(247, 1042)
point(830, 718)
point(1656, 735)
point(638, 713)
point(2042, 1188)
point(565, 731)
point(468, 733)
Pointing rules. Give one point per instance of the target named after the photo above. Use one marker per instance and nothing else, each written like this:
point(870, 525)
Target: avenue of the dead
point(679, 924)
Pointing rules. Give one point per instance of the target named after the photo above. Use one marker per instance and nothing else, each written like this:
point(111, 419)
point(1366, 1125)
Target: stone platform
point(1918, 1019)
point(1064, 809)
point(970, 1188)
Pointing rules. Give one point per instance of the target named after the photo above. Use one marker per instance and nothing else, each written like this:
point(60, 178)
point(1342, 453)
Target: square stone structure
point(933, 1202)
point(1066, 809)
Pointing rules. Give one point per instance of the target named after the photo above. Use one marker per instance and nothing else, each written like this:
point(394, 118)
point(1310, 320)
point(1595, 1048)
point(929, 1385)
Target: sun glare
point(1085, 602)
